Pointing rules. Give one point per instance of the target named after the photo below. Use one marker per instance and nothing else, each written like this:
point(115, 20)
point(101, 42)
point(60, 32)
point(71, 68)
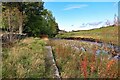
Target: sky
point(82, 15)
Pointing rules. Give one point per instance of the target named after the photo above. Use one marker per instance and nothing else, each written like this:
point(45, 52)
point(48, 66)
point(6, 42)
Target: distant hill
point(104, 34)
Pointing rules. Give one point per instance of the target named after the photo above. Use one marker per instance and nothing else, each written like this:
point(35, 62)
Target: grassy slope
point(105, 34)
point(24, 60)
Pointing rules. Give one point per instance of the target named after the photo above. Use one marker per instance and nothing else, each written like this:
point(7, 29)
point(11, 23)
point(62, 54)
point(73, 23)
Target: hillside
point(104, 34)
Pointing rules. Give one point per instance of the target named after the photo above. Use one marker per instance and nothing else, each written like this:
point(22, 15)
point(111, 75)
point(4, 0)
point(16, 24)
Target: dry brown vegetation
point(24, 60)
point(77, 59)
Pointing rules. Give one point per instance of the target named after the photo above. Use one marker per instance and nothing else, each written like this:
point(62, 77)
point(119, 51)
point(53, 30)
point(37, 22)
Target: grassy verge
point(105, 34)
point(78, 60)
point(24, 60)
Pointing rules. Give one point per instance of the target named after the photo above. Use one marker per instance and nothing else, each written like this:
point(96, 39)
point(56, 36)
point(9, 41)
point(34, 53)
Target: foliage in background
point(28, 17)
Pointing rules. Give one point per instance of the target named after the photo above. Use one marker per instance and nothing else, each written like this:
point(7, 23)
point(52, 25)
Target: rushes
point(74, 59)
point(25, 60)
point(77, 59)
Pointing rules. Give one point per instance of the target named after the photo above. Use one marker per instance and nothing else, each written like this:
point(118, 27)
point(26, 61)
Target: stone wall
point(6, 38)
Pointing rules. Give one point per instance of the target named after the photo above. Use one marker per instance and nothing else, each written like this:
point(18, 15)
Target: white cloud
point(115, 4)
point(75, 6)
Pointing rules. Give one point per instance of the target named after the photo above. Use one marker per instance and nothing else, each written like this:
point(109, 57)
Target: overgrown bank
point(77, 59)
point(24, 60)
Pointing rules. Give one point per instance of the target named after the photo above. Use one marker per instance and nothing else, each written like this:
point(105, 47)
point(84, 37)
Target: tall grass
point(24, 60)
point(77, 59)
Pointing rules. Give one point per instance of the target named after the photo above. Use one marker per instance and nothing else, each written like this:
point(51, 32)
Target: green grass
point(105, 34)
point(74, 63)
point(24, 60)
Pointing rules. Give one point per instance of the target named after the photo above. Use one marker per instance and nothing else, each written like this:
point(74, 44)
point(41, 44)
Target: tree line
point(28, 17)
